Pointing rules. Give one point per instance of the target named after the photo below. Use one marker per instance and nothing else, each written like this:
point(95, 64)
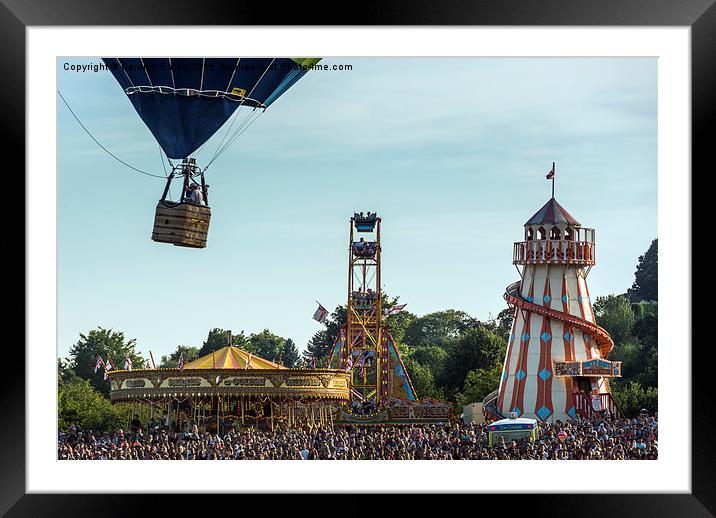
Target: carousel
point(229, 388)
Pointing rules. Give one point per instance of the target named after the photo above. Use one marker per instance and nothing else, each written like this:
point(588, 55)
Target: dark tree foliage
point(440, 328)
point(646, 285)
point(267, 345)
point(503, 322)
point(291, 355)
point(477, 348)
point(216, 339)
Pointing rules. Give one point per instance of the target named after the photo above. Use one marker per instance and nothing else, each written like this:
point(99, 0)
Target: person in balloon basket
point(195, 195)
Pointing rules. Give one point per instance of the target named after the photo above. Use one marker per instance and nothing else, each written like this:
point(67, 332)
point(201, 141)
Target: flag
point(551, 173)
point(181, 361)
point(393, 310)
point(147, 365)
point(248, 361)
point(100, 361)
point(321, 314)
point(128, 364)
point(107, 368)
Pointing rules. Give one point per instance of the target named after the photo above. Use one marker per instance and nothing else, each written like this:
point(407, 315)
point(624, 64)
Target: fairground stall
point(231, 388)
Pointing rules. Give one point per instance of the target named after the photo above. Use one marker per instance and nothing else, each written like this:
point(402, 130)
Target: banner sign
point(567, 368)
point(599, 367)
point(596, 367)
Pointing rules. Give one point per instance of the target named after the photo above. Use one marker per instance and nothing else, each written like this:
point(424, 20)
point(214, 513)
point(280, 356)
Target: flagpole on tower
point(550, 176)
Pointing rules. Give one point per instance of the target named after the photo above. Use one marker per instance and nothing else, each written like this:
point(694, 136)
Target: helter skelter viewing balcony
point(553, 236)
point(554, 251)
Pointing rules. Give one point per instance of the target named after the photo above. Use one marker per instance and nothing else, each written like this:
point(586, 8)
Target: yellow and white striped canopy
point(231, 358)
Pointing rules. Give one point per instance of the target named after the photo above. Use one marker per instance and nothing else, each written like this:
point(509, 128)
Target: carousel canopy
point(552, 213)
point(230, 357)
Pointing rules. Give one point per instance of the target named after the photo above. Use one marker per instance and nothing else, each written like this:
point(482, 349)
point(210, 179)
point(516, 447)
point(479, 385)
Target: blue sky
point(451, 152)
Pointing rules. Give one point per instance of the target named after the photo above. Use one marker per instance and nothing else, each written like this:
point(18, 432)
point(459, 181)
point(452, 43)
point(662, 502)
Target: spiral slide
point(512, 296)
point(600, 335)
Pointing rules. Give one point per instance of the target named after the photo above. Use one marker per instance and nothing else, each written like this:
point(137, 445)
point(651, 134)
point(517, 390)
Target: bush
point(80, 404)
point(478, 384)
point(632, 398)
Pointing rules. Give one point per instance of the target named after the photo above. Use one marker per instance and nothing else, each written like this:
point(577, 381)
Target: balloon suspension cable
point(239, 131)
point(228, 130)
point(100, 144)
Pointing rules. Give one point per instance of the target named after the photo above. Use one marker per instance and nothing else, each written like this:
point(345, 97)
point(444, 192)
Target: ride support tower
point(364, 346)
point(556, 365)
point(364, 308)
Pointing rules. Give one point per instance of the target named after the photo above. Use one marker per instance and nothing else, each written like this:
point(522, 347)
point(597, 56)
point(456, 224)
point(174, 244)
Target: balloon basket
point(181, 224)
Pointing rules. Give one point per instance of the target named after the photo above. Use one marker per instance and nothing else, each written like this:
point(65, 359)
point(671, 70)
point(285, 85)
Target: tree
point(439, 328)
point(291, 355)
point(397, 322)
point(646, 277)
point(172, 361)
point(65, 373)
point(632, 398)
point(503, 322)
point(431, 357)
point(614, 314)
point(646, 329)
point(105, 343)
point(216, 339)
point(477, 348)
point(631, 355)
point(423, 379)
point(267, 345)
point(478, 384)
point(321, 343)
point(80, 404)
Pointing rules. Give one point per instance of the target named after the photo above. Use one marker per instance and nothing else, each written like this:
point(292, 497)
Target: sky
point(451, 152)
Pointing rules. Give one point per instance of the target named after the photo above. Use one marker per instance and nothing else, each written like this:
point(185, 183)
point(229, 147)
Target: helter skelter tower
point(365, 346)
point(556, 363)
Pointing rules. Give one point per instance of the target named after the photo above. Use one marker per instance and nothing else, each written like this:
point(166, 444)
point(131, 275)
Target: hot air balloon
point(183, 102)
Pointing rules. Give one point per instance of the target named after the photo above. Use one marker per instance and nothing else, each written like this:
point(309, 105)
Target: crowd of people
point(598, 438)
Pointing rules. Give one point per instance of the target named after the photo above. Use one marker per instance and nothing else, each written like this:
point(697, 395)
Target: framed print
point(205, 187)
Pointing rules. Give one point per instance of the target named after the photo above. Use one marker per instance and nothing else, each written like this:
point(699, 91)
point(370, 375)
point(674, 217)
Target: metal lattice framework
point(363, 351)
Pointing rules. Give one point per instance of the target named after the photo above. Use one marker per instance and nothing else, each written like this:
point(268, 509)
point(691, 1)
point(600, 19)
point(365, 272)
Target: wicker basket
point(182, 224)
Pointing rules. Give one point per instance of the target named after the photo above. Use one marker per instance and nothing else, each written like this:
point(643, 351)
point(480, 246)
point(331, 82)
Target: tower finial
point(550, 176)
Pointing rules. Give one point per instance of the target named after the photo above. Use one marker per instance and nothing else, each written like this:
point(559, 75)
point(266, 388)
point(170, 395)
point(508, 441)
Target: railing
point(554, 251)
point(585, 406)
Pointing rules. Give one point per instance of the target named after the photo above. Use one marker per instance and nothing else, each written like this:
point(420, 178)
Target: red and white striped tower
point(555, 366)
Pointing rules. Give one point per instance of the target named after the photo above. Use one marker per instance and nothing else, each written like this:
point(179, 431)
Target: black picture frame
point(699, 15)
